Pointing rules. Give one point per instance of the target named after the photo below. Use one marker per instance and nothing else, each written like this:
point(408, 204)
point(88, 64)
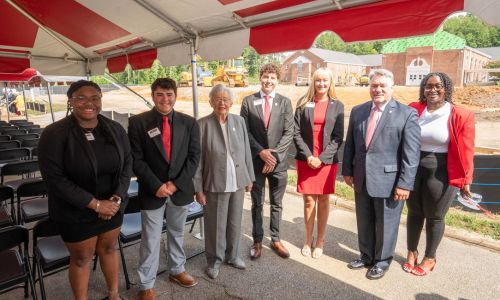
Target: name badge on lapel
point(154, 132)
point(257, 102)
point(89, 136)
point(310, 104)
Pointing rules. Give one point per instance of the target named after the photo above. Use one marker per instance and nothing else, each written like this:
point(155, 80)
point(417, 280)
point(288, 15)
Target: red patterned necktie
point(267, 111)
point(372, 124)
point(166, 136)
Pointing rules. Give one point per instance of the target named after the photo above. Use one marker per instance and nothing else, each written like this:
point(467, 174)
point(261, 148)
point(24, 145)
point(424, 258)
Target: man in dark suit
point(269, 120)
point(166, 150)
point(381, 157)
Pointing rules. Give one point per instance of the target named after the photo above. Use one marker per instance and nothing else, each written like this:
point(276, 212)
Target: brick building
point(346, 67)
point(411, 59)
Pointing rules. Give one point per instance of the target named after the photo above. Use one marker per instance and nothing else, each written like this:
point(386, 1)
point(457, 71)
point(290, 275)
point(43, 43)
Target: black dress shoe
point(375, 272)
point(357, 264)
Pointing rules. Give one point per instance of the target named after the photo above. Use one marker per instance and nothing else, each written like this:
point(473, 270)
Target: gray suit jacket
point(279, 133)
point(211, 173)
point(394, 153)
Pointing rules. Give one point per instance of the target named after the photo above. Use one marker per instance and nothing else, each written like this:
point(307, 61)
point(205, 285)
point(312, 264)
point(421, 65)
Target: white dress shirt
point(271, 98)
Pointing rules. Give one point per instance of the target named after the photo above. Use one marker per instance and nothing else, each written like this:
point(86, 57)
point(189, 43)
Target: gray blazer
point(211, 173)
point(279, 133)
point(394, 153)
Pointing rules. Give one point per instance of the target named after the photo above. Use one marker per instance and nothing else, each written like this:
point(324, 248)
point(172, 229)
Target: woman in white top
point(446, 165)
point(224, 174)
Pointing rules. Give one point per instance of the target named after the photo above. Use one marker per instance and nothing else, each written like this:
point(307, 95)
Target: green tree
point(477, 33)
point(252, 61)
point(331, 41)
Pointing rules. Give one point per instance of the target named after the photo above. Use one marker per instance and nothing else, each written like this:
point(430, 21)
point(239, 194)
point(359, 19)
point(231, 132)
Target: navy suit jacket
point(393, 156)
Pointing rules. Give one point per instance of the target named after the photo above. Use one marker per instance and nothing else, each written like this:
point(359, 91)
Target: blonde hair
point(311, 92)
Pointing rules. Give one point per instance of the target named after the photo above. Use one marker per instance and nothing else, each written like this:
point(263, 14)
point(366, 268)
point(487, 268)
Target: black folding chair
point(16, 122)
point(26, 136)
point(23, 168)
point(4, 137)
point(35, 130)
point(50, 254)
point(10, 144)
point(13, 130)
point(32, 202)
point(27, 126)
point(7, 155)
point(6, 218)
point(30, 143)
point(16, 270)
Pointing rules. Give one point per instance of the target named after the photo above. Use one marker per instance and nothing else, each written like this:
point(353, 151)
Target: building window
point(318, 65)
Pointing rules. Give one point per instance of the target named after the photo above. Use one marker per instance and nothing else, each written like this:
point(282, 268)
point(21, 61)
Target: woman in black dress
point(85, 160)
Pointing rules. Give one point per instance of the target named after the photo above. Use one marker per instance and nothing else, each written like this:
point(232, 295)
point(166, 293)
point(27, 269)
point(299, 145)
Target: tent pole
point(6, 100)
point(195, 79)
point(148, 104)
point(7, 104)
point(50, 103)
point(25, 107)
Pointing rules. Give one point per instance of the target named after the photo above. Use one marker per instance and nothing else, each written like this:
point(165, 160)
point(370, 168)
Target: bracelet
point(97, 206)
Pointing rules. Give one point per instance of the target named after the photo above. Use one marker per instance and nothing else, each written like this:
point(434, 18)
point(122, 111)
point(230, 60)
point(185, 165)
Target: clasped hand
point(313, 162)
point(107, 209)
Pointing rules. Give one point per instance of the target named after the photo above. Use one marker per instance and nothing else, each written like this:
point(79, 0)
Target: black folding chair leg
point(31, 281)
point(124, 265)
point(42, 284)
point(192, 226)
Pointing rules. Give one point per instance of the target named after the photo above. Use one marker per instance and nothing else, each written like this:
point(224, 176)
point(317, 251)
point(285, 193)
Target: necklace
point(88, 130)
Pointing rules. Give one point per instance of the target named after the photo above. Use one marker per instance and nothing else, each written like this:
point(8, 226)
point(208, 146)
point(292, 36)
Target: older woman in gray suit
point(224, 174)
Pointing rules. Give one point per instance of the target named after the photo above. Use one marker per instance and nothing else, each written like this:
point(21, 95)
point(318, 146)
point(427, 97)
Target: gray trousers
point(223, 226)
point(149, 254)
point(378, 224)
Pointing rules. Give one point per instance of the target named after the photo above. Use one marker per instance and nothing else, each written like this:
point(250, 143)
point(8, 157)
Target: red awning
point(80, 37)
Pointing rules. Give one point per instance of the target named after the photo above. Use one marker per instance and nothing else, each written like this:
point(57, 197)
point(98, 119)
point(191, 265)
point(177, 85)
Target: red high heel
point(407, 267)
point(418, 271)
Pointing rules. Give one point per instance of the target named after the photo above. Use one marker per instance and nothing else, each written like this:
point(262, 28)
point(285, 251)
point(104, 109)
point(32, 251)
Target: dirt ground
point(484, 101)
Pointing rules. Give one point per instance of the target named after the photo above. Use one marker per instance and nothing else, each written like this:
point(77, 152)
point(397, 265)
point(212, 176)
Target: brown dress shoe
point(148, 294)
point(255, 251)
point(280, 249)
point(183, 279)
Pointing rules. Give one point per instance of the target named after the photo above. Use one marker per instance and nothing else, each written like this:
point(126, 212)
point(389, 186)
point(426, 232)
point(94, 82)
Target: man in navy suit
point(269, 120)
point(381, 157)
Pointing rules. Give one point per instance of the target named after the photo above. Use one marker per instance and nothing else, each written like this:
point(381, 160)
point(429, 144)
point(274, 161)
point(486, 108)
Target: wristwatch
point(116, 199)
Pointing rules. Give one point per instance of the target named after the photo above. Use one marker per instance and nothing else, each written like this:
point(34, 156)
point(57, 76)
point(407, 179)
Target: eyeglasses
point(225, 101)
point(437, 87)
point(82, 99)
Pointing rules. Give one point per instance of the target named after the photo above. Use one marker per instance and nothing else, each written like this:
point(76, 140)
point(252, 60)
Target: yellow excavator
point(232, 74)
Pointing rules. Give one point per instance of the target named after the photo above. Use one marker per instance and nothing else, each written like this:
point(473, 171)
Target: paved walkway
point(463, 271)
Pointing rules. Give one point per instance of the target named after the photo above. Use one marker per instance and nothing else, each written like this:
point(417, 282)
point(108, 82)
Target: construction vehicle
point(232, 74)
point(202, 72)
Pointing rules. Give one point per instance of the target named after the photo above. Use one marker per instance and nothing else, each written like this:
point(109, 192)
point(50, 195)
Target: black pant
point(430, 200)
point(277, 186)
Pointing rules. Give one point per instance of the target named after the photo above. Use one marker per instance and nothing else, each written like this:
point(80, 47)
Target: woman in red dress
point(319, 132)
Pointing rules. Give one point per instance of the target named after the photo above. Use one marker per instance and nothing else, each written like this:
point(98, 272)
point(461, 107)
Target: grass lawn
point(475, 222)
